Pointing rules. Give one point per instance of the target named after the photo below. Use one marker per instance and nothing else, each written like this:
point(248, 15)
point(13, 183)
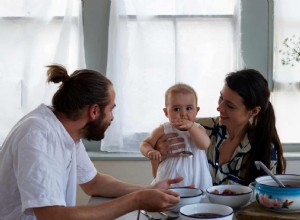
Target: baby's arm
point(154, 155)
point(147, 146)
point(199, 136)
point(197, 132)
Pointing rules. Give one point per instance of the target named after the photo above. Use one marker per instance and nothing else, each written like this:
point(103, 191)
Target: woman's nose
point(220, 107)
point(112, 117)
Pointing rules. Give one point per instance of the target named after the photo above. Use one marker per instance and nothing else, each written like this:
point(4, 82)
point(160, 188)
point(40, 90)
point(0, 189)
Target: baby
point(181, 109)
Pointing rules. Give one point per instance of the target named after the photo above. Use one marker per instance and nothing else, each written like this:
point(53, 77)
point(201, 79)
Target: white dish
point(187, 196)
point(240, 196)
point(224, 212)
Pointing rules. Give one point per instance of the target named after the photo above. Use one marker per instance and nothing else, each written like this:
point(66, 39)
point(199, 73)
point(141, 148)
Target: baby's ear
point(198, 108)
point(165, 111)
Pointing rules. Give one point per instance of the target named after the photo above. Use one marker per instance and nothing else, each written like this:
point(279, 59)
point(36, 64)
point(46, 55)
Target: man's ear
point(166, 112)
point(94, 111)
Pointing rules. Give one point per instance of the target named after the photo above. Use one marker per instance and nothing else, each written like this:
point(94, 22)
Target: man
point(43, 159)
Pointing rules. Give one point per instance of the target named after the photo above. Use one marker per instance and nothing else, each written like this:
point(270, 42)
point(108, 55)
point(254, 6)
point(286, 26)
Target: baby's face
point(181, 106)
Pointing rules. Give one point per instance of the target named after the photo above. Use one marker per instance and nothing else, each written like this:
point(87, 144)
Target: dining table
point(252, 211)
point(142, 215)
point(137, 214)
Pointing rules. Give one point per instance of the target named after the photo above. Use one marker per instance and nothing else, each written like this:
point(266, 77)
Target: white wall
point(129, 171)
point(293, 167)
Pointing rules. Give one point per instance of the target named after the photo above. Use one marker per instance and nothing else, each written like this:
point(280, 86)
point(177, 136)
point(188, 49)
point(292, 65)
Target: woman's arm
point(165, 145)
point(168, 143)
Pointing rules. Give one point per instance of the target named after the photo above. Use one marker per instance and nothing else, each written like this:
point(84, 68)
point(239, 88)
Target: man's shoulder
point(39, 120)
point(35, 120)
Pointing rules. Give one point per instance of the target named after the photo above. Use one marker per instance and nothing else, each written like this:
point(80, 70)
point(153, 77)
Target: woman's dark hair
point(82, 88)
point(253, 88)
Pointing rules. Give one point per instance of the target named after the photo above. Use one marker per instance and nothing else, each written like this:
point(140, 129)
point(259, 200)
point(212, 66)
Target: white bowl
point(218, 194)
point(208, 210)
point(269, 195)
point(187, 196)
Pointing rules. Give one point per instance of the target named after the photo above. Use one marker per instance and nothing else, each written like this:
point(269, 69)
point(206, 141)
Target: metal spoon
point(148, 215)
point(259, 165)
point(165, 216)
point(185, 154)
point(168, 217)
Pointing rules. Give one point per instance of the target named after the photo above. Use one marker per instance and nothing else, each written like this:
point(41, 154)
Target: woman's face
point(233, 112)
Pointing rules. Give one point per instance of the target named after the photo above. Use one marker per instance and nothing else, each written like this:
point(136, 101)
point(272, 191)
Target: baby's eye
point(190, 108)
point(176, 109)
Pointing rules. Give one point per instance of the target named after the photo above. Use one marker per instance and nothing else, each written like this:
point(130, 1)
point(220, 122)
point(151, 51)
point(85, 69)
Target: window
point(286, 94)
point(156, 44)
point(35, 34)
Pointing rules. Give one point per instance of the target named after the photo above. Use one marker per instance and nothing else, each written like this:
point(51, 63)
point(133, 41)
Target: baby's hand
point(183, 124)
point(154, 155)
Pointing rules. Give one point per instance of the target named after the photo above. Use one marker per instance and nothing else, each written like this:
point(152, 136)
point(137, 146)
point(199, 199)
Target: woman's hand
point(168, 143)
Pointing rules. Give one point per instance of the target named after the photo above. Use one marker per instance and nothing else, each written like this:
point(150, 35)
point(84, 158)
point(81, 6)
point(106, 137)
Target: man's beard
point(94, 130)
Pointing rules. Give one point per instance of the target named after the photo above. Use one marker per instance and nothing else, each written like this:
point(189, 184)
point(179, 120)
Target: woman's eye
point(226, 104)
point(220, 99)
point(229, 106)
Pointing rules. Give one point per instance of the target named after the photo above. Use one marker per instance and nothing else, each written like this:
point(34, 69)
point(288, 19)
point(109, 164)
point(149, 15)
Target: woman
point(243, 133)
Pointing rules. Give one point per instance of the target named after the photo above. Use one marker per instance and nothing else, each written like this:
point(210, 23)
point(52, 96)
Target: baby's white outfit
point(194, 169)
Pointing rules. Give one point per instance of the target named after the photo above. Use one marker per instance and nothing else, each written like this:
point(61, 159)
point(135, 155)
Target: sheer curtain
point(35, 33)
point(154, 44)
point(286, 95)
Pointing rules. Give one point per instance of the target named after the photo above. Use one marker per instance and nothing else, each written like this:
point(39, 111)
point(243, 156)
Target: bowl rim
point(278, 175)
point(210, 204)
point(226, 185)
point(200, 192)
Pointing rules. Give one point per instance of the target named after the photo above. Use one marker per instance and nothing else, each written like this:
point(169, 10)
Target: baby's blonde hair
point(180, 88)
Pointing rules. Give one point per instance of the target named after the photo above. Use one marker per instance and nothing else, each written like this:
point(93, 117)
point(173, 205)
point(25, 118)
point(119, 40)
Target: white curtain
point(33, 34)
point(286, 95)
point(154, 44)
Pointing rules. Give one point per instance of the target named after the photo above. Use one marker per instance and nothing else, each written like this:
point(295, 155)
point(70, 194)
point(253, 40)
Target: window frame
point(94, 146)
point(264, 65)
